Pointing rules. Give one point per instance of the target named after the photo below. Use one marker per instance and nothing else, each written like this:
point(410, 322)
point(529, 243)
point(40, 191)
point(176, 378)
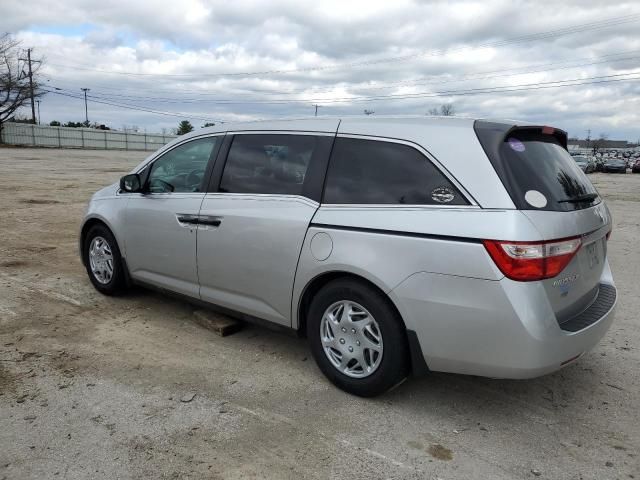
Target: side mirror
point(131, 183)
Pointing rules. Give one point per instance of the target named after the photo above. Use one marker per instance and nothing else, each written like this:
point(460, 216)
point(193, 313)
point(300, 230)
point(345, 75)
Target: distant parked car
point(586, 164)
point(635, 168)
point(614, 165)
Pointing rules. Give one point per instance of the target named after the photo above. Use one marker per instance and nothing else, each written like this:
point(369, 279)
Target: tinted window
point(539, 163)
point(375, 172)
point(182, 169)
point(274, 164)
point(536, 168)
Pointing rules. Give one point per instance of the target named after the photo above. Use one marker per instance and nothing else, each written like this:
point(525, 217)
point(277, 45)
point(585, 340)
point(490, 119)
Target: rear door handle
point(209, 220)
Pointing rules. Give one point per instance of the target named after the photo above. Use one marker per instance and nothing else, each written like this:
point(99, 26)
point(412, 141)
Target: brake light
point(530, 261)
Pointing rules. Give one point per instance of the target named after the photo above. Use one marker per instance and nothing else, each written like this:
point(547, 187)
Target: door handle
point(209, 220)
point(186, 219)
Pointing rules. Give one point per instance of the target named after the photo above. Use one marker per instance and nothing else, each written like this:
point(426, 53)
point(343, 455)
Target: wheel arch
point(88, 224)
point(418, 363)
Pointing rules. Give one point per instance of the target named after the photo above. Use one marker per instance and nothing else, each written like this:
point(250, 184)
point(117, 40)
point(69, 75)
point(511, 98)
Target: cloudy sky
point(574, 64)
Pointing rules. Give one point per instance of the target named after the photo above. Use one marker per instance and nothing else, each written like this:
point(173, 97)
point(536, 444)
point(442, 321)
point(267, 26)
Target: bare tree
point(446, 110)
point(15, 86)
point(600, 142)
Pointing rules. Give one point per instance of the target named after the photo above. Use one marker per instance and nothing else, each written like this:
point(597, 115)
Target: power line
point(137, 107)
point(524, 70)
point(461, 92)
point(614, 21)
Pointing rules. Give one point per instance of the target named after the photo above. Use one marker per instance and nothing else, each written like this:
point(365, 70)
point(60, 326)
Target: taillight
point(529, 261)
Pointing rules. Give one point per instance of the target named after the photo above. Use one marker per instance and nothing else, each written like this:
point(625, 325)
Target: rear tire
point(103, 261)
point(337, 325)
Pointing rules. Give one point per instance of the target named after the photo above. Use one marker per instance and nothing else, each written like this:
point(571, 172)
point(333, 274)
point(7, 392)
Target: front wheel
point(357, 338)
point(103, 261)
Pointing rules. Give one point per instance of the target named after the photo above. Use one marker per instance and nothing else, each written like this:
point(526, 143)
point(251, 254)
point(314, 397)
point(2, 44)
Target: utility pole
point(316, 105)
point(30, 75)
point(33, 105)
point(38, 102)
point(86, 111)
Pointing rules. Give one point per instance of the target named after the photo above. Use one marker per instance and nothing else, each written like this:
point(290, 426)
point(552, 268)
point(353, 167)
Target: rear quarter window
point(378, 172)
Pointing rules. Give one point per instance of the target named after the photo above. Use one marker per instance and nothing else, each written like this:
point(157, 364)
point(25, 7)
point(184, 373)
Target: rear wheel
point(103, 261)
point(357, 338)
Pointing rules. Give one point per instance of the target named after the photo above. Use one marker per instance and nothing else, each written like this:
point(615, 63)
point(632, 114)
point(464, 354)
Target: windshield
point(536, 169)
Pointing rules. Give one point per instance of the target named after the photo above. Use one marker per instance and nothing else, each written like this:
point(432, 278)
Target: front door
point(160, 234)
point(254, 224)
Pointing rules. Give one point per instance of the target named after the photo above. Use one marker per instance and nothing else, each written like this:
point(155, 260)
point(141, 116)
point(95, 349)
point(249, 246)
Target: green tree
point(208, 124)
point(184, 127)
point(55, 123)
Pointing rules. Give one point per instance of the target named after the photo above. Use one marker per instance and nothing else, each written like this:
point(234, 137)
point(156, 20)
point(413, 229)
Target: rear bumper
point(502, 329)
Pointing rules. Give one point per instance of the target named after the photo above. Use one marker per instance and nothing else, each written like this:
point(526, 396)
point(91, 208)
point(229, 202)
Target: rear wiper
point(587, 197)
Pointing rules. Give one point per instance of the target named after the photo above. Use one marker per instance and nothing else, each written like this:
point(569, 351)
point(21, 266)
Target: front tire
point(103, 261)
point(357, 338)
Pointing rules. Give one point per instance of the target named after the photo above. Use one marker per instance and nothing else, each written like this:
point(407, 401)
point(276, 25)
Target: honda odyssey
point(395, 245)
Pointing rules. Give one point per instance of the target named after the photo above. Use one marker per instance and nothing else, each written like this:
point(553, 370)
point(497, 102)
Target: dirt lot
point(97, 387)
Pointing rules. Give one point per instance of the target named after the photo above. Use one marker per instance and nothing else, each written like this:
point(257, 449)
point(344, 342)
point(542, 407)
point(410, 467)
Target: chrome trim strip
point(372, 206)
point(264, 197)
point(281, 132)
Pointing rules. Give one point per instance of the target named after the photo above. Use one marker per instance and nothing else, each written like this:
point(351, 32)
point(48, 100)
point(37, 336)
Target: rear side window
point(535, 168)
point(378, 172)
point(265, 163)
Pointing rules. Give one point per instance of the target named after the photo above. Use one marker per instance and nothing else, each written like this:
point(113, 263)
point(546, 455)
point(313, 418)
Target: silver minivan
point(395, 245)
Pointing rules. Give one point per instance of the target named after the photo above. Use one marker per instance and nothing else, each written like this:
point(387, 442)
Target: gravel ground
point(132, 387)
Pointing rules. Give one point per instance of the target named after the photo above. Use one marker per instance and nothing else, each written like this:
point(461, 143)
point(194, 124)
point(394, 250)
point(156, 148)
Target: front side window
point(182, 169)
point(268, 163)
point(377, 172)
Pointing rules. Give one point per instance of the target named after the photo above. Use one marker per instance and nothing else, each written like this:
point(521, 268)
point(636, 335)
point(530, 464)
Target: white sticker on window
point(442, 195)
point(535, 199)
point(516, 145)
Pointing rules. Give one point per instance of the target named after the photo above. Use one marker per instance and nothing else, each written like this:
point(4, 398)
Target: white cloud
point(449, 46)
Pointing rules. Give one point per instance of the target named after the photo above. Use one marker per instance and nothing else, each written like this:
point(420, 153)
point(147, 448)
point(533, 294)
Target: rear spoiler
point(494, 133)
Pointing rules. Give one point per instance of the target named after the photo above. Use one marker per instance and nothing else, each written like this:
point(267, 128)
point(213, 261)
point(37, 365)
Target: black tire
point(117, 284)
point(395, 364)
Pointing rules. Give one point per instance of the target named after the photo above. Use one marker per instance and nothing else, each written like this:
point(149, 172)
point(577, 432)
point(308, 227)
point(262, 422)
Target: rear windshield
point(536, 168)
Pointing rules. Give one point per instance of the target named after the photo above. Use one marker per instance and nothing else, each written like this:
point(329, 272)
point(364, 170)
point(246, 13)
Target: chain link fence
point(65, 137)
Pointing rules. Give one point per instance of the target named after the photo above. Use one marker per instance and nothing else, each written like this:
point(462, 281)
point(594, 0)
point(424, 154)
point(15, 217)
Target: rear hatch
point(547, 185)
